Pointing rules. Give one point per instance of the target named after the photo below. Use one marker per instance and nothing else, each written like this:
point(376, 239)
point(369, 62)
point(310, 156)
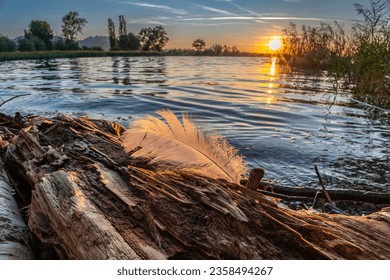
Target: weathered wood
point(255, 177)
point(90, 200)
point(15, 239)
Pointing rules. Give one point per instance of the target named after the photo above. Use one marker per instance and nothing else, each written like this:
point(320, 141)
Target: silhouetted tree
point(31, 44)
point(72, 24)
point(42, 30)
point(226, 49)
point(122, 33)
point(6, 45)
point(153, 39)
point(111, 35)
point(62, 44)
point(235, 49)
point(216, 49)
point(199, 44)
point(133, 42)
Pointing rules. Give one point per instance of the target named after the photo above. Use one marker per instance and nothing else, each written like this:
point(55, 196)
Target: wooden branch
point(322, 185)
point(337, 194)
point(12, 98)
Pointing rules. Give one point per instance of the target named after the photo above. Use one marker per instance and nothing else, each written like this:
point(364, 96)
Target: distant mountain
point(16, 39)
point(96, 41)
point(92, 41)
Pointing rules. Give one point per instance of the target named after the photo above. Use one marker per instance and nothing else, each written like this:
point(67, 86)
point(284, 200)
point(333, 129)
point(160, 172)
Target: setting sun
point(275, 44)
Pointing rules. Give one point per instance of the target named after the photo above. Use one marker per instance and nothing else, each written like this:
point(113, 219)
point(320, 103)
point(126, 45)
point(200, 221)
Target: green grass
point(7, 56)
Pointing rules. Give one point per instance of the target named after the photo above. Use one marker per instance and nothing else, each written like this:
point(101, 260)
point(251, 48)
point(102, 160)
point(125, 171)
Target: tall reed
point(361, 57)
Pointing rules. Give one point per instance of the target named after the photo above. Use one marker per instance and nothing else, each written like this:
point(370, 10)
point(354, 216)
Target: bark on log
point(91, 200)
point(15, 239)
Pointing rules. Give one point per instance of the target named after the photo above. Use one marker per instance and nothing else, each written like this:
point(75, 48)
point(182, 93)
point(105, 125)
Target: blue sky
point(244, 23)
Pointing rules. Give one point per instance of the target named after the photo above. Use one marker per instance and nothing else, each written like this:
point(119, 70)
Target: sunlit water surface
point(283, 122)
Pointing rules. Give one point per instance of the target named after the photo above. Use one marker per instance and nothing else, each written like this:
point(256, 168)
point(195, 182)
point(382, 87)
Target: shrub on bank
point(361, 58)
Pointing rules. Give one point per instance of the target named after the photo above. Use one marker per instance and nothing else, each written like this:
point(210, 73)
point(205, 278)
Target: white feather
point(174, 145)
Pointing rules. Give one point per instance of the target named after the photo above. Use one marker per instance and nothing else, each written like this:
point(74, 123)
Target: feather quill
point(175, 145)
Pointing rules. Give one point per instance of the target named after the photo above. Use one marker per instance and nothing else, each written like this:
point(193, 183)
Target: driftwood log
point(91, 200)
point(15, 237)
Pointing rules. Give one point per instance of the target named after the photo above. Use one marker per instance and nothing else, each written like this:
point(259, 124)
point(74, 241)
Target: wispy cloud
point(244, 9)
point(219, 11)
point(160, 7)
point(210, 24)
point(261, 18)
point(147, 21)
point(155, 20)
point(217, 18)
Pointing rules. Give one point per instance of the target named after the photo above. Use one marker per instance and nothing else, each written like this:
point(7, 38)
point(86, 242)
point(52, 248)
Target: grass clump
point(69, 54)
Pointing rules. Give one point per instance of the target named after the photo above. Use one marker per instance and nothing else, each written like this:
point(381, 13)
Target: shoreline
point(11, 56)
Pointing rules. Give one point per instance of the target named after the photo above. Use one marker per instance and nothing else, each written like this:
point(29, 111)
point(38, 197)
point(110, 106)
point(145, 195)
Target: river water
point(284, 122)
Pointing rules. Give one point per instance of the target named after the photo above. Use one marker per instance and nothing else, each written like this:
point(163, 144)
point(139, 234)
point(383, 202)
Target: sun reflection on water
point(272, 73)
point(272, 70)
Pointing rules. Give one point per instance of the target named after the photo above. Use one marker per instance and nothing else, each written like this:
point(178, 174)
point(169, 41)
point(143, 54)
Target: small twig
point(315, 199)
point(322, 185)
point(333, 209)
point(284, 197)
point(12, 98)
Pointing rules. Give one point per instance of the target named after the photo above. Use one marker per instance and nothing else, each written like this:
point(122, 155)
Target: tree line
point(39, 36)
point(148, 39)
point(215, 49)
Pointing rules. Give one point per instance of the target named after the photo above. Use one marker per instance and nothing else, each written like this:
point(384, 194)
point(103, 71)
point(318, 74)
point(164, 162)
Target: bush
point(362, 58)
point(7, 45)
point(31, 44)
point(93, 48)
point(62, 44)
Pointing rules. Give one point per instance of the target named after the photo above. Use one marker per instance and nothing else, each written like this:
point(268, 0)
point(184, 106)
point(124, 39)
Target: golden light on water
point(275, 44)
point(272, 69)
point(272, 72)
point(268, 74)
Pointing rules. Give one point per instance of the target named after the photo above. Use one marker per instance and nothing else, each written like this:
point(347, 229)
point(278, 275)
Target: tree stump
point(91, 200)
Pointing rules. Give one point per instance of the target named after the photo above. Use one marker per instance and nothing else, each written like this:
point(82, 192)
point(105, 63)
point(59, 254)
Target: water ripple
point(284, 122)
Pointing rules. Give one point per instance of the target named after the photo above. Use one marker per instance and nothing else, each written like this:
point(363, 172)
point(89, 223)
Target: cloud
point(224, 1)
point(244, 9)
point(211, 24)
point(207, 8)
point(151, 20)
point(217, 18)
point(147, 21)
point(256, 18)
point(160, 7)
